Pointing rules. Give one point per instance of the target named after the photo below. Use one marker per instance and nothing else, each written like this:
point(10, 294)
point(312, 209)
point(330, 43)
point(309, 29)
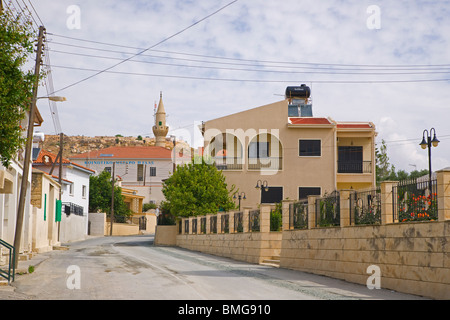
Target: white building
point(74, 194)
point(10, 186)
point(139, 168)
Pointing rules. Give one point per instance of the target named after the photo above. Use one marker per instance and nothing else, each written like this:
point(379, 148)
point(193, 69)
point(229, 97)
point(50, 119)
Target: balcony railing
point(269, 163)
point(228, 163)
point(72, 208)
point(354, 166)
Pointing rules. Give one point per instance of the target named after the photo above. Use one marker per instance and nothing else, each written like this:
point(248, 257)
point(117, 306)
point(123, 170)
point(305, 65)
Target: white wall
point(73, 227)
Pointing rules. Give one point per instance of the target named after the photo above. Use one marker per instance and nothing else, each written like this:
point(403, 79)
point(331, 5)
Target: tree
point(16, 84)
point(197, 189)
point(384, 169)
point(100, 192)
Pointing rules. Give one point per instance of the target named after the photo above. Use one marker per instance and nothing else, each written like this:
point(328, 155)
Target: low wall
point(97, 224)
point(252, 247)
point(166, 235)
point(413, 257)
point(73, 228)
point(122, 229)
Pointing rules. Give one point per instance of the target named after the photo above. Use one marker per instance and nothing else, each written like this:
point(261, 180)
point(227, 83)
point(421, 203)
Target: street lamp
point(53, 98)
point(262, 184)
point(240, 196)
point(428, 142)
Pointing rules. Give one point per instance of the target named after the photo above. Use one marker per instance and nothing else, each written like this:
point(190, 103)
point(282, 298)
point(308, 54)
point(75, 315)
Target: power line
point(243, 80)
point(290, 63)
point(254, 70)
point(35, 12)
point(158, 43)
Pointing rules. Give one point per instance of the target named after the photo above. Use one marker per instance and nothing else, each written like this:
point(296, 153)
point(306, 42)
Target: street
point(132, 268)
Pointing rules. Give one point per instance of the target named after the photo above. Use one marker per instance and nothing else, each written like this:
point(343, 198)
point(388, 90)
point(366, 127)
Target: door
point(350, 159)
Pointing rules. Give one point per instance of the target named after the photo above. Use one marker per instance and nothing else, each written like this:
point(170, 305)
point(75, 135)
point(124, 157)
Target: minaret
point(160, 129)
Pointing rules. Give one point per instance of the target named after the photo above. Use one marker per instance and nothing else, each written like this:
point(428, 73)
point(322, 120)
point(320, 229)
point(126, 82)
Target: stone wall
point(413, 257)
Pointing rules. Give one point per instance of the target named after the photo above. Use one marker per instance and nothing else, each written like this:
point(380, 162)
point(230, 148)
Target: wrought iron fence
point(213, 224)
point(254, 220)
point(415, 200)
point(328, 210)
point(141, 221)
point(238, 223)
point(194, 226)
point(225, 223)
point(203, 225)
point(365, 207)
point(186, 226)
point(298, 215)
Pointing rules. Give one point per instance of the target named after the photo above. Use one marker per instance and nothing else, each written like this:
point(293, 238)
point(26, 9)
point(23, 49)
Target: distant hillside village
point(80, 144)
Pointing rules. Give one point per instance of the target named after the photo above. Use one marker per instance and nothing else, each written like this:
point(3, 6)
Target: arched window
point(265, 152)
point(226, 151)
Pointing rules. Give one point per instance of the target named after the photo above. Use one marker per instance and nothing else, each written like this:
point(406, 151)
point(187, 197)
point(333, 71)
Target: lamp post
point(262, 184)
point(240, 196)
point(428, 142)
point(27, 160)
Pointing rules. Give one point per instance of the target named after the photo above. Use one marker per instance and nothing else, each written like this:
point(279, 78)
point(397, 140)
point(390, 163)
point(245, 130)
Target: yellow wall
point(295, 171)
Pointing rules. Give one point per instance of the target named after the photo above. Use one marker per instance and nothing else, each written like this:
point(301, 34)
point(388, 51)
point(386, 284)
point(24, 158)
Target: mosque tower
point(160, 129)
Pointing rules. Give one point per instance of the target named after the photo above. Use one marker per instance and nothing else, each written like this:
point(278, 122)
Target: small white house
point(74, 194)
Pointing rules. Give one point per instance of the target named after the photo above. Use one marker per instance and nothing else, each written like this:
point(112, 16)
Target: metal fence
point(213, 224)
point(203, 225)
point(186, 226)
point(254, 220)
point(194, 226)
point(9, 274)
point(415, 200)
point(298, 215)
point(238, 222)
point(225, 223)
point(365, 207)
point(328, 210)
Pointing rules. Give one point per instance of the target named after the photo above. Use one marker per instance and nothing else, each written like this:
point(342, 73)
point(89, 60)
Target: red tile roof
point(309, 120)
point(47, 158)
point(354, 126)
point(326, 121)
point(151, 152)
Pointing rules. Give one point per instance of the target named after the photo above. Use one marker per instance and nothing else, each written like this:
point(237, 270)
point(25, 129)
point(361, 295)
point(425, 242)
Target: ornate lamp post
point(239, 197)
point(428, 142)
point(262, 184)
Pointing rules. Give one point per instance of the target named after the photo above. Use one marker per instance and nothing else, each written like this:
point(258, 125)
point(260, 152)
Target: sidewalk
point(7, 291)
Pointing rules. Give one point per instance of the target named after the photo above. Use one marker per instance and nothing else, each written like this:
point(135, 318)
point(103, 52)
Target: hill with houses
point(79, 144)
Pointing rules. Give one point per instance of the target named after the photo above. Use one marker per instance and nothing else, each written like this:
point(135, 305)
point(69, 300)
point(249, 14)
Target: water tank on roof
point(302, 91)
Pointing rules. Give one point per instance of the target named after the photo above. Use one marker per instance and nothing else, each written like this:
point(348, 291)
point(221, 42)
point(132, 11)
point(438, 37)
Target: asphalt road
point(132, 268)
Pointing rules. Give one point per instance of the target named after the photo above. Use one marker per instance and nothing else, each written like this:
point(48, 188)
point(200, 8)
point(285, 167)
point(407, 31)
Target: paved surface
point(132, 268)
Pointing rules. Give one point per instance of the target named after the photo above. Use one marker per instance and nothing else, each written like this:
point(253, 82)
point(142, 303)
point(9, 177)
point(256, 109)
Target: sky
point(387, 62)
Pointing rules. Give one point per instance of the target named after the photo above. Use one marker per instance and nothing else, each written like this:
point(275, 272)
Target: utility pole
point(29, 146)
point(112, 199)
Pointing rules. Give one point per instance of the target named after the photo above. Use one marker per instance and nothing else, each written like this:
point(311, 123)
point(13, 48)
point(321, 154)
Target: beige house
point(282, 147)
point(45, 217)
